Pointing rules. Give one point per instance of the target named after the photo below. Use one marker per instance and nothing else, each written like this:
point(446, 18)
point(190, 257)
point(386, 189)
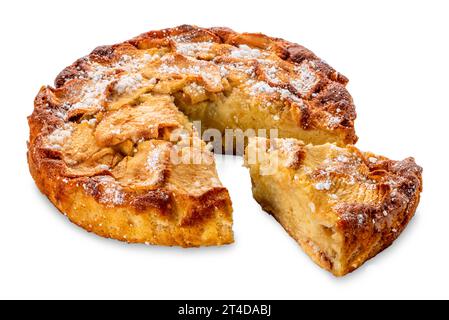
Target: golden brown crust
point(362, 201)
point(80, 146)
point(370, 228)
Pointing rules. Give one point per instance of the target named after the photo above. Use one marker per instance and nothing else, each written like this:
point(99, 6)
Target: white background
point(395, 54)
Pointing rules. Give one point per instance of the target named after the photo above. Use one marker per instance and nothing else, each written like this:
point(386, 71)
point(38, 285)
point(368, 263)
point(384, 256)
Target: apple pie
point(103, 138)
point(343, 206)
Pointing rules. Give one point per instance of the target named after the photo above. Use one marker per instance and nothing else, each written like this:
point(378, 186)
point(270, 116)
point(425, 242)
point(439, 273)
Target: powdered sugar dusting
point(103, 167)
point(154, 159)
point(195, 87)
point(258, 87)
point(245, 52)
point(59, 136)
point(271, 74)
point(323, 185)
point(132, 82)
point(111, 193)
point(101, 76)
point(286, 145)
point(261, 87)
point(91, 95)
point(342, 158)
point(334, 121)
point(249, 70)
point(306, 81)
point(90, 122)
point(361, 219)
point(193, 49)
point(128, 83)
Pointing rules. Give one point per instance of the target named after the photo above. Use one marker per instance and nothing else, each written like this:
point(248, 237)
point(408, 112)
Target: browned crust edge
point(383, 223)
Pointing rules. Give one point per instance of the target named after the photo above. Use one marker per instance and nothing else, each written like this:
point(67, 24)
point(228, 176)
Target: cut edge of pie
point(342, 206)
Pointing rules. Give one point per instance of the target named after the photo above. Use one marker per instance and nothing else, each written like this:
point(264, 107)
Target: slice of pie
point(343, 206)
point(113, 147)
